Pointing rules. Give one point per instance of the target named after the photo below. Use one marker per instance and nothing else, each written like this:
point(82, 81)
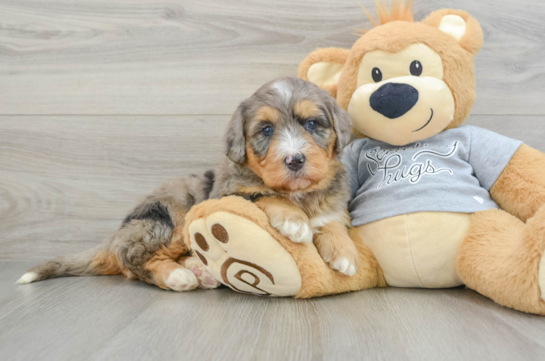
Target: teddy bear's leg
point(239, 247)
point(502, 258)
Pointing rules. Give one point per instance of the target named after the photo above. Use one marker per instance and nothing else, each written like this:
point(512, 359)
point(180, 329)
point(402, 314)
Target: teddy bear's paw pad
point(244, 256)
point(181, 279)
point(541, 276)
point(206, 279)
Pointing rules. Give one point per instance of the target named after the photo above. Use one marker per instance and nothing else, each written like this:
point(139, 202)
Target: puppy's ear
point(235, 142)
point(341, 123)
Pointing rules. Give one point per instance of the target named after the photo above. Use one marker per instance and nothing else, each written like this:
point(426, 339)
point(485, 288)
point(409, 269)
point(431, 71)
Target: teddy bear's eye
point(376, 74)
point(416, 68)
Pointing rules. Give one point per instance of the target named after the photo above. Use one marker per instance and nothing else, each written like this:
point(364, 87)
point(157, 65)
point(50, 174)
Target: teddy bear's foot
point(503, 258)
point(236, 242)
point(242, 255)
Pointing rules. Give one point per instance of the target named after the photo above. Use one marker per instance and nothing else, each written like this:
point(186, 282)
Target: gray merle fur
point(154, 212)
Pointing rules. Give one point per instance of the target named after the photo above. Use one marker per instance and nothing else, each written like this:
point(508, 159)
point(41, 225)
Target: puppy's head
point(289, 133)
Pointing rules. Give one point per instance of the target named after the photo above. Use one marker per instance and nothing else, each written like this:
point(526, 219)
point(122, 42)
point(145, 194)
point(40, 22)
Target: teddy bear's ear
point(460, 25)
point(323, 67)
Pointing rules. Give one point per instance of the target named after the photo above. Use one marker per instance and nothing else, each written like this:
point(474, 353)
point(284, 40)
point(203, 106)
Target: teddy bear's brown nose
point(394, 99)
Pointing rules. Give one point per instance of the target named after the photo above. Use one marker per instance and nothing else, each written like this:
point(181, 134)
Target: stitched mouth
point(428, 122)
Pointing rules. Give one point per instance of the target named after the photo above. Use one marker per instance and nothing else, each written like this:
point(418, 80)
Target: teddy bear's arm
point(520, 188)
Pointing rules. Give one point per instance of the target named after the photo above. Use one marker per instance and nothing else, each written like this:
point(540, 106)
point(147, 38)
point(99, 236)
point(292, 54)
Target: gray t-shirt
point(450, 172)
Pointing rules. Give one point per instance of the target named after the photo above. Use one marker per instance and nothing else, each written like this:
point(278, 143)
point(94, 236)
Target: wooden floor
point(102, 100)
point(110, 318)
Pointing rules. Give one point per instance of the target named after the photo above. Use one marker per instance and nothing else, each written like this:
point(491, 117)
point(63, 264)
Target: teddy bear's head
point(403, 81)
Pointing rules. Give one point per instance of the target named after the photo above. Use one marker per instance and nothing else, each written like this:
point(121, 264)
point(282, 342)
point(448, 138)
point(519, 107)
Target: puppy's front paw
point(341, 255)
point(297, 231)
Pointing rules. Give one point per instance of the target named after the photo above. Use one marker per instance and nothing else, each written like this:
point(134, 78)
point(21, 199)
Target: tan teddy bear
point(434, 203)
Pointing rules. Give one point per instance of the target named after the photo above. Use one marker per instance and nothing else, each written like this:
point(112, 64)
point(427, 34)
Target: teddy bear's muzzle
point(402, 110)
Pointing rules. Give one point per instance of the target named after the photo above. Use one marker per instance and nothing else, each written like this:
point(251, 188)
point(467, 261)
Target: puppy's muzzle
point(394, 99)
point(295, 162)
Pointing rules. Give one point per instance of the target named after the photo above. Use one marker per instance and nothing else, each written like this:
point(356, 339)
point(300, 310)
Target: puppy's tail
point(93, 262)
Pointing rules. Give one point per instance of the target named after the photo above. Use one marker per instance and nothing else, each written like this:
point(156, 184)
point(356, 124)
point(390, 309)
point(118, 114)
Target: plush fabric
point(500, 258)
point(418, 249)
point(497, 252)
point(329, 56)
point(379, 109)
point(520, 188)
point(254, 241)
point(500, 255)
point(457, 62)
point(449, 172)
point(472, 40)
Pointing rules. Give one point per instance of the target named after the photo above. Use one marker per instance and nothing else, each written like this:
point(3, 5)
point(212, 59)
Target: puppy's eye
point(311, 125)
point(416, 68)
point(268, 131)
point(376, 74)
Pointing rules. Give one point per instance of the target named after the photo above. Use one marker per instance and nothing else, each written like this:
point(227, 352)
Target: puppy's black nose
point(295, 162)
point(394, 99)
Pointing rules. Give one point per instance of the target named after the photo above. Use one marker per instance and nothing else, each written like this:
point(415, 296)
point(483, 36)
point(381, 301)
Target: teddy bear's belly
point(418, 249)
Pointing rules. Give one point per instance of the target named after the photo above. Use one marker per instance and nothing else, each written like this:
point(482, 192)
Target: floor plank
point(65, 318)
point(99, 318)
point(421, 324)
point(190, 57)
